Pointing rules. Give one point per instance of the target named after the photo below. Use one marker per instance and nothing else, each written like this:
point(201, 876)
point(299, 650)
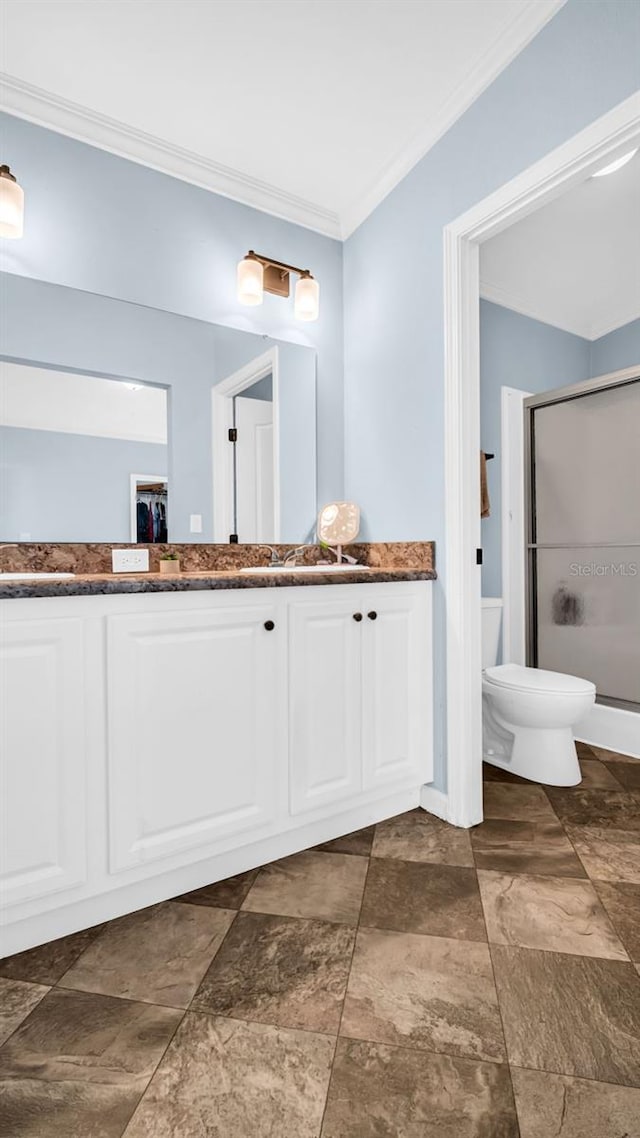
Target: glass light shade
point(11, 207)
point(250, 281)
point(307, 302)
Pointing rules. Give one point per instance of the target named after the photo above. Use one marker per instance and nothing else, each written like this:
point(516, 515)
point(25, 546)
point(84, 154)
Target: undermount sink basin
point(303, 568)
point(26, 576)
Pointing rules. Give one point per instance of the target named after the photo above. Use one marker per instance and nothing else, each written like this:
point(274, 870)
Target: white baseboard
point(612, 728)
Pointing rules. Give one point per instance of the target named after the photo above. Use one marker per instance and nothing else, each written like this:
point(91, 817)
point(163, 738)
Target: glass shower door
point(584, 541)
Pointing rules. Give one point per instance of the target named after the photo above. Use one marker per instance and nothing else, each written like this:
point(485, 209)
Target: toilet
point(528, 714)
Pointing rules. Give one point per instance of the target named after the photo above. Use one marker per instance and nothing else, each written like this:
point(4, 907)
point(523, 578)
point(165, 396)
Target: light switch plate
point(130, 560)
point(195, 523)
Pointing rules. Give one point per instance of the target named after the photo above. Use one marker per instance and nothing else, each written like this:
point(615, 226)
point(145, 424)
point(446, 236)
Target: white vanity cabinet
point(42, 777)
point(325, 701)
point(192, 703)
point(156, 742)
point(359, 713)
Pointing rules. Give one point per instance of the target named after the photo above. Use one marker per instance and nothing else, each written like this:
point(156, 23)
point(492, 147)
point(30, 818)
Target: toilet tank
point(491, 629)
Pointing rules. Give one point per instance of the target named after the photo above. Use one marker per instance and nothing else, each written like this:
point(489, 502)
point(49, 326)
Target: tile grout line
point(27, 1017)
point(346, 989)
point(51, 987)
point(174, 1032)
point(579, 1078)
point(153, 1074)
point(498, 1004)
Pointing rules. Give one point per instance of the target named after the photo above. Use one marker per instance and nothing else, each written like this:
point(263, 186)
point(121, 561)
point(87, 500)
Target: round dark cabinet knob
point(357, 616)
point(372, 615)
point(269, 625)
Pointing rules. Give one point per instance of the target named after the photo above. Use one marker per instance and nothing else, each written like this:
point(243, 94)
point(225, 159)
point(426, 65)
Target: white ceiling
point(576, 262)
point(309, 109)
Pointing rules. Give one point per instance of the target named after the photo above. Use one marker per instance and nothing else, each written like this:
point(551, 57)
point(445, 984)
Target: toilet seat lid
point(517, 677)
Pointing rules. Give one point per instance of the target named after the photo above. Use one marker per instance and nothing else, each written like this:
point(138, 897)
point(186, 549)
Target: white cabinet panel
point(396, 713)
point(192, 729)
point(325, 758)
point(42, 819)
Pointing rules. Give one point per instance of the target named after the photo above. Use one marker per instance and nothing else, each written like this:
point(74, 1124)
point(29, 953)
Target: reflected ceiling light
point(11, 205)
point(258, 274)
point(617, 165)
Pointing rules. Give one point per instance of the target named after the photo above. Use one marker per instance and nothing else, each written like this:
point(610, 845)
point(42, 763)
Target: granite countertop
point(101, 584)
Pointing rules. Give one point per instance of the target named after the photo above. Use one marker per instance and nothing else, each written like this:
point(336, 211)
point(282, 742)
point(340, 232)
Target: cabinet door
point(42, 758)
point(325, 752)
point(396, 713)
point(192, 729)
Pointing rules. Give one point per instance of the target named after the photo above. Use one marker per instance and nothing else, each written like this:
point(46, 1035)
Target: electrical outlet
point(195, 523)
point(130, 560)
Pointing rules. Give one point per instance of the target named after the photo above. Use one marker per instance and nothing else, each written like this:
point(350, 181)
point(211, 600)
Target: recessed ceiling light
point(617, 165)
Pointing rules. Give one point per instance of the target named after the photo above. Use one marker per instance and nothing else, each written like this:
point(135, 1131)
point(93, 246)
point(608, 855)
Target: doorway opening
point(253, 496)
point(246, 468)
point(607, 138)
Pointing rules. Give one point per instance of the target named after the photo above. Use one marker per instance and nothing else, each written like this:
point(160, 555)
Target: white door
point(396, 671)
point(255, 514)
point(42, 755)
point(192, 729)
point(325, 751)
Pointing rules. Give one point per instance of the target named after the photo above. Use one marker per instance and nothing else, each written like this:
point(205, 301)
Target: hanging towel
point(485, 504)
point(567, 607)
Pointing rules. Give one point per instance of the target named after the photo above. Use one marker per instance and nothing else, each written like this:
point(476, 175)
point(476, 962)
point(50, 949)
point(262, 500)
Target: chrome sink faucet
point(292, 556)
point(276, 559)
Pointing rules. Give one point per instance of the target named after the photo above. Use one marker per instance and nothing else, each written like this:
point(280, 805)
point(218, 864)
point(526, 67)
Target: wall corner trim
point(76, 121)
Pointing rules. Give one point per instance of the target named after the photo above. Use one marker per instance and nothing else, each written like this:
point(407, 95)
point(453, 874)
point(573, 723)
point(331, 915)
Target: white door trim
point(222, 458)
point(513, 525)
point(541, 183)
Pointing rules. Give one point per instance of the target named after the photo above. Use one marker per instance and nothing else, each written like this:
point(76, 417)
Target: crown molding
point(28, 102)
point(530, 20)
point(39, 106)
point(587, 330)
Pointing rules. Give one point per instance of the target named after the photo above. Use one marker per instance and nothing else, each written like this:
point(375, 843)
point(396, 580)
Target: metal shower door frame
point(533, 403)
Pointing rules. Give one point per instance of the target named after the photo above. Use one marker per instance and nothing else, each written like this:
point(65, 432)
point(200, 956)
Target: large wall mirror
point(120, 423)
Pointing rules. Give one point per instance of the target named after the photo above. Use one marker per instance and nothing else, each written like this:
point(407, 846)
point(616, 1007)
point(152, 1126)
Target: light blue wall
point(618, 350)
point(100, 223)
point(71, 330)
point(581, 64)
point(516, 351)
point(64, 487)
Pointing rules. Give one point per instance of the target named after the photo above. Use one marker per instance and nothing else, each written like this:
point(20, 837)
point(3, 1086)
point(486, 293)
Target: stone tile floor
point(407, 981)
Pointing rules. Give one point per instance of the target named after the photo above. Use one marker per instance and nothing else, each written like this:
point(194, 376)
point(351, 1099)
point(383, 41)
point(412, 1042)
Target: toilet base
point(547, 755)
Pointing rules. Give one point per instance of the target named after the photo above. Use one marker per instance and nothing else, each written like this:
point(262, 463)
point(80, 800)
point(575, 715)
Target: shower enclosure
point(583, 541)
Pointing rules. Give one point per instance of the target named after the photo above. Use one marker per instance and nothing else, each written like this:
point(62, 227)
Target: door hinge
point(478, 557)
point(233, 538)
point(233, 434)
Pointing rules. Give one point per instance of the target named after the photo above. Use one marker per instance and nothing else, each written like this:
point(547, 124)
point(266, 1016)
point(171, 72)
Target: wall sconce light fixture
point(11, 205)
point(258, 274)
